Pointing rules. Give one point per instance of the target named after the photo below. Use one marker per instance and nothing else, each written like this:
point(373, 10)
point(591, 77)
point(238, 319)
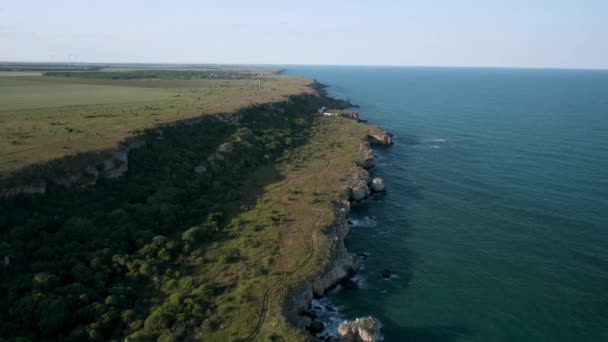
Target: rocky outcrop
point(384, 138)
point(231, 117)
point(386, 274)
point(76, 170)
point(359, 192)
point(366, 329)
point(360, 187)
point(378, 185)
point(29, 189)
point(368, 161)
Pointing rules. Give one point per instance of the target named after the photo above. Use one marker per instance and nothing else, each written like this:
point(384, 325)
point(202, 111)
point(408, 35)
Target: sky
point(490, 33)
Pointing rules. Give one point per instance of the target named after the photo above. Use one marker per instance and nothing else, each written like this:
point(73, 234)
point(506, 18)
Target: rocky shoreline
point(342, 265)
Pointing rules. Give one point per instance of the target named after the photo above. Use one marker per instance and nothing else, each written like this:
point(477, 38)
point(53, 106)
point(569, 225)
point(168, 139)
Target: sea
point(495, 223)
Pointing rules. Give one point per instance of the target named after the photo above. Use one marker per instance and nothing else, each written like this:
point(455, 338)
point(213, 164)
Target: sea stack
point(378, 185)
point(380, 139)
point(366, 329)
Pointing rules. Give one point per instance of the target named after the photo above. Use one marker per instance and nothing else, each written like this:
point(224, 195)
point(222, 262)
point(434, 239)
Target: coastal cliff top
point(50, 111)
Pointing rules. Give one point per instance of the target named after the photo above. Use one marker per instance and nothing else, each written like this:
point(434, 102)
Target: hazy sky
point(520, 33)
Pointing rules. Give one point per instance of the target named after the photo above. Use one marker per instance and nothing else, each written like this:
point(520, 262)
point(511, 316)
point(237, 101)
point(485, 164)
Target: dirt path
point(281, 281)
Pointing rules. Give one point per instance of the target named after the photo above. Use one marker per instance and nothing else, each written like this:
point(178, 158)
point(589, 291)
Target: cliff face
point(79, 170)
point(341, 263)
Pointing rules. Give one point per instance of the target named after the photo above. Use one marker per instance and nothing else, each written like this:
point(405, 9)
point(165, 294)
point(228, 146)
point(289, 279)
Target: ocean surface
point(495, 223)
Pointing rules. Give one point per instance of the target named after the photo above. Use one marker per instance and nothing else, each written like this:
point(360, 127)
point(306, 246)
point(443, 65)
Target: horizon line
point(321, 65)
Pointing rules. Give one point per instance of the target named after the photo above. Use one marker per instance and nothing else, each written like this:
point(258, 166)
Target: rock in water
point(366, 329)
point(378, 185)
point(386, 274)
point(380, 139)
point(349, 284)
point(316, 326)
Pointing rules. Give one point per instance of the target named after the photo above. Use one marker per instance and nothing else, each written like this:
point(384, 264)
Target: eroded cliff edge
point(341, 264)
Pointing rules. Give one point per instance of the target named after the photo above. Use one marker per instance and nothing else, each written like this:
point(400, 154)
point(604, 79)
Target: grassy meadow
point(44, 117)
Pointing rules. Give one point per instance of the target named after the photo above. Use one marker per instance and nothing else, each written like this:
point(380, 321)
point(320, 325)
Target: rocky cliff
point(365, 329)
point(341, 264)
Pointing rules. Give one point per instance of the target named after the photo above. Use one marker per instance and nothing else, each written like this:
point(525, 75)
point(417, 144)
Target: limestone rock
point(366, 329)
point(344, 207)
point(380, 139)
point(359, 192)
point(369, 161)
point(378, 185)
point(30, 189)
point(226, 147)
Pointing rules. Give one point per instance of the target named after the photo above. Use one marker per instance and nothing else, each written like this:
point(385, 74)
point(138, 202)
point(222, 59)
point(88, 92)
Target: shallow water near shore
point(496, 218)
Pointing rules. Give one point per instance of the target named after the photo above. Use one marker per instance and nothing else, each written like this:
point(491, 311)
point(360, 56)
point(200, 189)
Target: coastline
point(342, 265)
point(335, 262)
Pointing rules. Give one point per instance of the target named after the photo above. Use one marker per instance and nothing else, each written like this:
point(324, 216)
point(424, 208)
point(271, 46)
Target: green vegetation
point(155, 74)
point(43, 118)
point(47, 67)
point(167, 253)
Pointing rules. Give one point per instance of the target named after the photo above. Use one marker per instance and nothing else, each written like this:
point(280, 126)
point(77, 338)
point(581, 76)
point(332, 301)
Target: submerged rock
point(378, 185)
point(366, 329)
point(349, 284)
point(310, 313)
point(386, 274)
point(316, 326)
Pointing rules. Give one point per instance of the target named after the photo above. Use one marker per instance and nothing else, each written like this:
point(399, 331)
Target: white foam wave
point(329, 314)
point(363, 222)
point(360, 280)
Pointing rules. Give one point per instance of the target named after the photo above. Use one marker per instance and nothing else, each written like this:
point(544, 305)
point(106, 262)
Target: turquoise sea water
point(496, 218)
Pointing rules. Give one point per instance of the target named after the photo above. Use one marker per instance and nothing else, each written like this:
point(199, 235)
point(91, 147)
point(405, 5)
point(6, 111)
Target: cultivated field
point(44, 117)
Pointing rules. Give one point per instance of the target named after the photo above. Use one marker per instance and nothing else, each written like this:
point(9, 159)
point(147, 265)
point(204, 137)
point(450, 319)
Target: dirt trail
point(281, 281)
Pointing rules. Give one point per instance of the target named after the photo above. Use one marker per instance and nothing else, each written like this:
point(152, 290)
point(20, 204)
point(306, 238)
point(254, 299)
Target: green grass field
point(42, 118)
